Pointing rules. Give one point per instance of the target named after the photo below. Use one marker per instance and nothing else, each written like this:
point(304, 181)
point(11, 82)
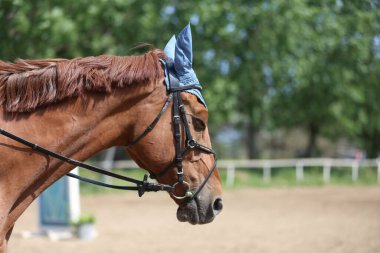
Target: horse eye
point(199, 125)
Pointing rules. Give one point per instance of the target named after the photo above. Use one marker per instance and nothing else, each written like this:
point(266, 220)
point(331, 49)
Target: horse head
point(176, 146)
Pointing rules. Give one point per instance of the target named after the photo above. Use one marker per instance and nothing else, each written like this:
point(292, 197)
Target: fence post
point(378, 170)
point(230, 175)
point(355, 171)
point(299, 171)
point(326, 171)
point(108, 163)
point(267, 172)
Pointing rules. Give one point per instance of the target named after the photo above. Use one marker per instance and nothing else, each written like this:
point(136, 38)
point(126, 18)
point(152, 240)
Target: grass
point(280, 177)
point(313, 176)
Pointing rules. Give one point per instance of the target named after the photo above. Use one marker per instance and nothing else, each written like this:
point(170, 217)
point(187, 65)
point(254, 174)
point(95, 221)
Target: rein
point(142, 186)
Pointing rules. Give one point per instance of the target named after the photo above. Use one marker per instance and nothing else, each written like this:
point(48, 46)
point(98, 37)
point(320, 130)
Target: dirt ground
point(327, 219)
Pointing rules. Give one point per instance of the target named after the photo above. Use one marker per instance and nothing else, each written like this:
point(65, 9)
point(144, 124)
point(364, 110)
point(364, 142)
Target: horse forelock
point(27, 84)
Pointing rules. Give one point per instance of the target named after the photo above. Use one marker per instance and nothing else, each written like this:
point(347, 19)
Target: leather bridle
point(174, 90)
point(142, 186)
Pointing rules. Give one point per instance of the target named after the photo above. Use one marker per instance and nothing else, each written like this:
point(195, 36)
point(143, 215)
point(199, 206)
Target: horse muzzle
point(199, 211)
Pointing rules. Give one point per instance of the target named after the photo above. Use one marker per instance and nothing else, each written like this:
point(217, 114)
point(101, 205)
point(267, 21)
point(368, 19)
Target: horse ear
point(169, 49)
point(184, 48)
point(183, 60)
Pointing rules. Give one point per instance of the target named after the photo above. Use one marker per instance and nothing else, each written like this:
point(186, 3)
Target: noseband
point(142, 186)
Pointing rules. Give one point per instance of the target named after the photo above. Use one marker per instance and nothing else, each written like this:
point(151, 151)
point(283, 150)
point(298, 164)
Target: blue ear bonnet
point(179, 63)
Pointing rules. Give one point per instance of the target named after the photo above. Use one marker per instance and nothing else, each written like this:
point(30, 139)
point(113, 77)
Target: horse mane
point(28, 84)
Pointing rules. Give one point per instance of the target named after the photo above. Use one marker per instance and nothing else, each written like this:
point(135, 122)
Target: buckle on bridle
point(146, 186)
point(191, 143)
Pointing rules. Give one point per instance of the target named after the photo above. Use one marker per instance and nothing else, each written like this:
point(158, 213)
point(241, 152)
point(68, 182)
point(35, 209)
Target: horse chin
point(195, 212)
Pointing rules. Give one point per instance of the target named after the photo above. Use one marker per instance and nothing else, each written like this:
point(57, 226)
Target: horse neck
point(77, 128)
point(88, 124)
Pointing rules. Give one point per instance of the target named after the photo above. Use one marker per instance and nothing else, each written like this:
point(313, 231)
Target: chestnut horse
point(81, 106)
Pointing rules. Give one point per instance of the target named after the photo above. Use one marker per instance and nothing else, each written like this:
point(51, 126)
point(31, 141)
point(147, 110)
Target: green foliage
point(85, 219)
point(264, 64)
point(329, 71)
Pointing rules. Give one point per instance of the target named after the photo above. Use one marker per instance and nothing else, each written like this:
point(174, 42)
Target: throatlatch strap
point(154, 122)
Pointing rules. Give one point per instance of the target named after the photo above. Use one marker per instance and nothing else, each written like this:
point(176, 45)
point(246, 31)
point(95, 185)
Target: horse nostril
point(217, 205)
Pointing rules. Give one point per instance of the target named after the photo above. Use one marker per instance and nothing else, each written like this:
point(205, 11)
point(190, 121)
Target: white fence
point(327, 164)
point(299, 164)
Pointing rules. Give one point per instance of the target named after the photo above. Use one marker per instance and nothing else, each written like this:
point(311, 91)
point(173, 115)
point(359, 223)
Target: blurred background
point(281, 79)
point(292, 87)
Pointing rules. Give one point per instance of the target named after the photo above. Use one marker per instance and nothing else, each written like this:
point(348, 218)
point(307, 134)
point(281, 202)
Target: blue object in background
point(58, 207)
point(54, 204)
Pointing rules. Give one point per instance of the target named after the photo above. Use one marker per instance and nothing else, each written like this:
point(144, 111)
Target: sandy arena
point(307, 220)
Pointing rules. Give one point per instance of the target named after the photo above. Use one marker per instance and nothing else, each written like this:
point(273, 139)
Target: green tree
point(358, 112)
point(266, 63)
point(331, 67)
